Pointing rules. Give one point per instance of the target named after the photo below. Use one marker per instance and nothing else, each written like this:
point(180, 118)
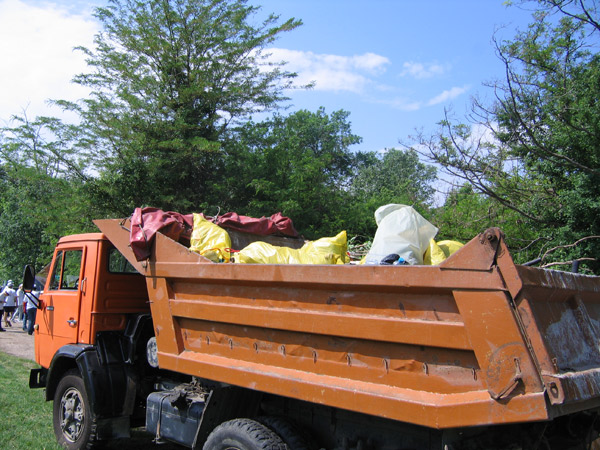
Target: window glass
point(56, 271)
point(71, 269)
point(66, 270)
point(117, 263)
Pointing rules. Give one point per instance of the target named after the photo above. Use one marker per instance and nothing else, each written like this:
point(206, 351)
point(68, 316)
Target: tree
point(302, 165)
point(47, 145)
point(540, 156)
point(466, 213)
point(167, 78)
point(41, 198)
point(299, 164)
point(396, 177)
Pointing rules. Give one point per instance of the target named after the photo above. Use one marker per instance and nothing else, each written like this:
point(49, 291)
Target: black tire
point(289, 432)
point(74, 424)
point(243, 434)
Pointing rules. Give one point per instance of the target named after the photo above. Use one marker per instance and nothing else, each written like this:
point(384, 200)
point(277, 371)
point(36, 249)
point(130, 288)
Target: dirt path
point(17, 342)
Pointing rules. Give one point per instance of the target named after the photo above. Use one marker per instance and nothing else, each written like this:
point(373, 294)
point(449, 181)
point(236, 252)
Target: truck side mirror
point(28, 278)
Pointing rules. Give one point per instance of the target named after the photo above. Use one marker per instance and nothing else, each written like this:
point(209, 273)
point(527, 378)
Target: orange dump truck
point(474, 353)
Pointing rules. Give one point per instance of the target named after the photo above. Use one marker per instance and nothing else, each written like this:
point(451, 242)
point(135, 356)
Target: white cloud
point(407, 104)
point(422, 71)
point(332, 72)
point(448, 95)
point(403, 104)
point(38, 61)
point(370, 62)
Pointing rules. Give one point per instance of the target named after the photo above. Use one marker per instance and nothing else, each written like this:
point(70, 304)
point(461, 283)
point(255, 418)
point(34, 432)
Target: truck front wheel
point(243, 434)
point(74, 426)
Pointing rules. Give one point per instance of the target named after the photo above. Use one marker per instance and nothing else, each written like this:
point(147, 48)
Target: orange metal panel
point(115, 296)
point(409, 405)
point(410, 366)
point(57, 319)
point(561, 314)
point(370, 327)
point(168, 333)
point(496, 337)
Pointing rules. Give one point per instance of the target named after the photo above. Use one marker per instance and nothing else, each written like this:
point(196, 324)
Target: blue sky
point(395, 65)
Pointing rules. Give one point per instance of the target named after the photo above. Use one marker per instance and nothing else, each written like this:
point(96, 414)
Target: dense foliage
point(174, 85)
point(299, 164)
point(167, 79)
point(539, 155)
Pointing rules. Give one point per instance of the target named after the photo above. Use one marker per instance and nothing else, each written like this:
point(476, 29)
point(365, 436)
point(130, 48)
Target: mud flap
point(37, 378)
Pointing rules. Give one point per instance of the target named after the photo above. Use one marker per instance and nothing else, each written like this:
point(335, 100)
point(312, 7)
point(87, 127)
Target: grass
point(26, 417)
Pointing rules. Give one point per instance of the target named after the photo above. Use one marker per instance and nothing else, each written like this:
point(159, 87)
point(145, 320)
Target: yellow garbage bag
point(210, 240)
point(439, 251)
point(329, 250)
point(264, 253)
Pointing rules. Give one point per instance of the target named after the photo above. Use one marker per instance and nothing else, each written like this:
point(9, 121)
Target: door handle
point(50, 308)
point(72, 322)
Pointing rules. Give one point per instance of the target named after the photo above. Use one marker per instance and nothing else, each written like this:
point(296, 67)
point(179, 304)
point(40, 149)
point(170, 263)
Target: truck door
point(59, 321)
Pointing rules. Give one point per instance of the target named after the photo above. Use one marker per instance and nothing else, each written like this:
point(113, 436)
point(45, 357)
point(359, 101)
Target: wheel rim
point(72, 414)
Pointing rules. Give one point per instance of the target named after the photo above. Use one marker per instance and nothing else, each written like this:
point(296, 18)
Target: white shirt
point(10, 296)
point(32, 303)
point(20, 296)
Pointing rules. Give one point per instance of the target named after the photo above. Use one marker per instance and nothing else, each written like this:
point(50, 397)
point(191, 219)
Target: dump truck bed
point(476, 340)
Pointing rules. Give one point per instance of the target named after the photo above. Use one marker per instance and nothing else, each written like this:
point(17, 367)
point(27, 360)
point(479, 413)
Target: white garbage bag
point(403, 231)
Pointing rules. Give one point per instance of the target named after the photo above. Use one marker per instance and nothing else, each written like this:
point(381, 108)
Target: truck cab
point(91, 288)
point(92, 326)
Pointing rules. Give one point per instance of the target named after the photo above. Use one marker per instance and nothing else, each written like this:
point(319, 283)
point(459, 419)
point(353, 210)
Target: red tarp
point(276, 224)
point(145, 222)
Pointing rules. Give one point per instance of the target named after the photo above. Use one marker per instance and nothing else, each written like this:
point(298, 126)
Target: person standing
point(25, 312)
point(32, 299)
point(2, 299)
point(10, 302)
point(18, 315)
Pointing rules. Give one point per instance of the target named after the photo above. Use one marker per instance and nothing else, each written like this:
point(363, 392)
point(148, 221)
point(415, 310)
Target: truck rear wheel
point(289, 432)
point(74, 425)
point(243, 434)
